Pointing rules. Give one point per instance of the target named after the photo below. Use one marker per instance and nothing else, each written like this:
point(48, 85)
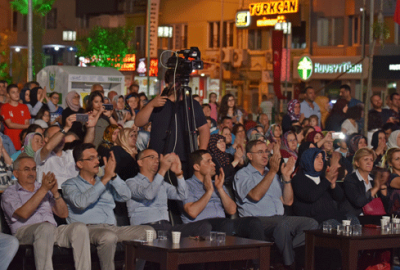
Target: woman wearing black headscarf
point(316, 194)
point(36, 97)
point(379, 146)
point(229, 163)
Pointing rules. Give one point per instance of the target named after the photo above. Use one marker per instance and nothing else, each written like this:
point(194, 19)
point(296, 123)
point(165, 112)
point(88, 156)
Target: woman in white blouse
point(350, 126)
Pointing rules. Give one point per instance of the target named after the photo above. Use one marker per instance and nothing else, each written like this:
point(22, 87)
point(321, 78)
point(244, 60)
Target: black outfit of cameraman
point(163, 123)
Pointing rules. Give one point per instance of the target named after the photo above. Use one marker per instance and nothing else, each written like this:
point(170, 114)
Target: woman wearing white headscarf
point(394, 140)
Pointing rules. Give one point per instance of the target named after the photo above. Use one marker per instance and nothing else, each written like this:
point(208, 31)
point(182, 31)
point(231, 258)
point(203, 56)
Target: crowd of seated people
point(103, 177)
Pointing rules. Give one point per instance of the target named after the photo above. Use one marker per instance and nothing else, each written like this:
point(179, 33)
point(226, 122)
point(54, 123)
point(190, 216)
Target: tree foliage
point(41, 7)
point(4, 55)
point(106, 47)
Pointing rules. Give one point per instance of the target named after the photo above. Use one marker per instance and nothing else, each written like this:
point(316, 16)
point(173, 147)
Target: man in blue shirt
point(260, 193)
point(209, 201)
point(309, 107)
point(90, 200)
point(150, 194)
point(345, 93)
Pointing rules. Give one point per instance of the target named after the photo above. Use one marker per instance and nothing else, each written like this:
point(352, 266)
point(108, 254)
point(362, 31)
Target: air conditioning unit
point(240, 57)
point(227, 55)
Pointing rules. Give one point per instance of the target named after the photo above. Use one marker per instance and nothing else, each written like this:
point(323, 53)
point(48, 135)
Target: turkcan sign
point(274, 7)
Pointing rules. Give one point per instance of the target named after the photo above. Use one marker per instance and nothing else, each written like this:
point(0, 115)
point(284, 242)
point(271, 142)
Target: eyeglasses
point(26, 169)
point(221, 141)
point(294, 140)
point(261, 152)
point(152, 157)
point(92, 158)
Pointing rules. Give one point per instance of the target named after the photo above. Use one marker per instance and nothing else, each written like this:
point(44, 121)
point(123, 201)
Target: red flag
point(396, 16)
point(277, 50)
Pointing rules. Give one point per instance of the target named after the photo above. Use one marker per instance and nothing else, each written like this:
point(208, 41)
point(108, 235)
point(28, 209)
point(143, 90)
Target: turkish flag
point(396, 16)
point(277, 56)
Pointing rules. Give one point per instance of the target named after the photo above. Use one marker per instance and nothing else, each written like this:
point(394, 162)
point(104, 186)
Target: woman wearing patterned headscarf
point(289, 145)
point(32, 143)
point(293, 114)
point(109, 138)
point(120, 114)
point(316, 193)
point(229, 163)
point(355, 142)
point(274, 134)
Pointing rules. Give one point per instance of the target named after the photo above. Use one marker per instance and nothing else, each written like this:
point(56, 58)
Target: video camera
point(185, 61)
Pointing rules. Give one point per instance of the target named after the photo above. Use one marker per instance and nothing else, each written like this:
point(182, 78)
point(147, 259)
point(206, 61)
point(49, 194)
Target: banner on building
point(277, 37)
point(154, 9)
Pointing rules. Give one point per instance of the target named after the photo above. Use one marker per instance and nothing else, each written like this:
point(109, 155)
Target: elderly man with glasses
point(29, 208)
point(150, 194)
point(261, 193)
point(91, 200)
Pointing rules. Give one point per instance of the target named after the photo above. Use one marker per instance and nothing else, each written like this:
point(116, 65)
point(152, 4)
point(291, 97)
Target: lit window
point(69, 35)
point(165, 31)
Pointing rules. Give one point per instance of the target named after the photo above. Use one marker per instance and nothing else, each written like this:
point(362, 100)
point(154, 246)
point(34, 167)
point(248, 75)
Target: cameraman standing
point(168, 133)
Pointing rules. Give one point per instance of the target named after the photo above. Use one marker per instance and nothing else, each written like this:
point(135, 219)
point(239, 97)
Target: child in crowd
point(342, 147)
point(305, 122)
point(314, 122)
point(212, 101)
point(55, 116)
point(16, 116)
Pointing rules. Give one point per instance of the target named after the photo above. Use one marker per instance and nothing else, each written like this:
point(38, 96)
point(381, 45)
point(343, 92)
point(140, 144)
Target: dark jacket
point(334, 122)
point(356, 197)
point(316, 201)
point(286, 123)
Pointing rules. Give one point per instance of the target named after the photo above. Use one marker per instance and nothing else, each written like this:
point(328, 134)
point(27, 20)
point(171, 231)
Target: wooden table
point(169, 255)
point(349, 245)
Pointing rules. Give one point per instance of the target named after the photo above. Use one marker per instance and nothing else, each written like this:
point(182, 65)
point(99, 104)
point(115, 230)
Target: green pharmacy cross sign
point(305, 68)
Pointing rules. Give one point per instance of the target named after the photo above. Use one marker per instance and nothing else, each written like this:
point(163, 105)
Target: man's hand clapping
point(109, 167)
point(176, 165)
point(219, 179)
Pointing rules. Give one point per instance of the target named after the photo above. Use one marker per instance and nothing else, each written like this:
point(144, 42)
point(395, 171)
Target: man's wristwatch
point(63, 131)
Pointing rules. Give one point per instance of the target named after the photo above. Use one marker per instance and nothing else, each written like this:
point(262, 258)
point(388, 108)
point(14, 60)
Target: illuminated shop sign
point(153, 67)
point(142, 67)
point(320, 68)
point(386, 67)
point(274, 7)
point(243, 18)
point(270, 21)
point(394, 67)
point(129, 63)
